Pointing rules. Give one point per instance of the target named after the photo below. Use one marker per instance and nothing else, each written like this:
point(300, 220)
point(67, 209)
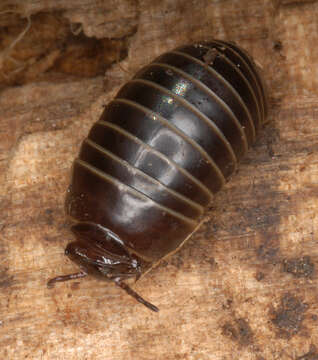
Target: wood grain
point(244, 286)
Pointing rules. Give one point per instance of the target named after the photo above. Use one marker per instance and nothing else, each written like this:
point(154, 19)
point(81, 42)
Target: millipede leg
point(132, 293)
point(78, 275)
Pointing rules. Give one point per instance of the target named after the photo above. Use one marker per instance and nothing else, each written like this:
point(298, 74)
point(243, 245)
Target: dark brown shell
point(168, 141)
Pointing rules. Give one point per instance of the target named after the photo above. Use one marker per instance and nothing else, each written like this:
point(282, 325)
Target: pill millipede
point(149, 167)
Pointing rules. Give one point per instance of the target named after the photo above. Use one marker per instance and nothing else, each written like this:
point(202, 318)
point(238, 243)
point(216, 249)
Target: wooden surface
point(245, 285)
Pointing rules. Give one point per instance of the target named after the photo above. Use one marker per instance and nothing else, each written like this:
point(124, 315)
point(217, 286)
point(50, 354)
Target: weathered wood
point(244, 286)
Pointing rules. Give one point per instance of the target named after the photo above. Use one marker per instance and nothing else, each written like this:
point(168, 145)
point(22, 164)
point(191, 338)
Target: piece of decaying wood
point(249, 290)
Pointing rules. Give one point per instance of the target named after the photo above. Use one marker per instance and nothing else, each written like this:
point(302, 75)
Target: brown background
point(245, 285)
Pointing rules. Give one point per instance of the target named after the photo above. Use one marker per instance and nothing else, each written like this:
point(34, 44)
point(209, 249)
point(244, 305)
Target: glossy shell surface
point(165, 144)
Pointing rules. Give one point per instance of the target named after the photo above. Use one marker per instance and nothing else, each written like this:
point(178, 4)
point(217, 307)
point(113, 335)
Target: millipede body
point(161, 149)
